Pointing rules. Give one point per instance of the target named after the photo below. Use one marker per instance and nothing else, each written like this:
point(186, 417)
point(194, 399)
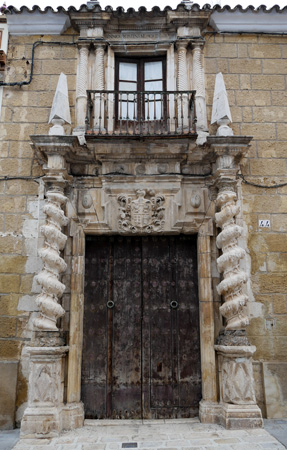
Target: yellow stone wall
point(255, 74)
point(25, 111)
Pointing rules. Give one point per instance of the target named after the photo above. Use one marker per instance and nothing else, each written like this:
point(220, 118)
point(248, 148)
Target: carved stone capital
point(229, 150)
point(197, 46)
point(182, 45)
point(84, 46)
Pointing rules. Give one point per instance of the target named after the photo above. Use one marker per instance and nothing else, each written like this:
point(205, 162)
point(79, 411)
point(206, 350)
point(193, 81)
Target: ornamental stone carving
point(48, 278)
point(237, 374)
point(143, 215)
point(228, 263)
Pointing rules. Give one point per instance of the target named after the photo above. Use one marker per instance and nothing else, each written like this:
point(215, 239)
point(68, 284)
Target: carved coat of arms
point(142, 214)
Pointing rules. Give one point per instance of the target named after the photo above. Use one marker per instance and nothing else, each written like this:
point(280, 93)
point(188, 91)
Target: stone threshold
point(123, 422)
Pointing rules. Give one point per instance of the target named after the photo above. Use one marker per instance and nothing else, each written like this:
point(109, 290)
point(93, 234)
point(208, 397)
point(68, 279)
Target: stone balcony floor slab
point(158, 435)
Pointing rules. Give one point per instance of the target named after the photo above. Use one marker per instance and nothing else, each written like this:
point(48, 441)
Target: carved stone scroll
point(54, 265)
point(141, 215)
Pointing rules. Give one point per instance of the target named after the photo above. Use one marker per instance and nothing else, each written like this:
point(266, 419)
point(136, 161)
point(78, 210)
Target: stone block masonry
point(255, 71)
point(25, 111)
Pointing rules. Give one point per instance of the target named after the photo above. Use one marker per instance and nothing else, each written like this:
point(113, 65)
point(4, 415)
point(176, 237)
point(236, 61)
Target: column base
point(73, 416)
point(209, 412)
point(235, 417)
point(41, 423)
point(232, 417)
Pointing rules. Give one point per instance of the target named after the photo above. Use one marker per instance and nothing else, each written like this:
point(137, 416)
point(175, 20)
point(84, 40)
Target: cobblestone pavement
point(180, 434)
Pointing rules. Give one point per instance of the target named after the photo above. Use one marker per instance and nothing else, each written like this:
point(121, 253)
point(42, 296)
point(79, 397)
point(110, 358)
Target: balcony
point(140, 114)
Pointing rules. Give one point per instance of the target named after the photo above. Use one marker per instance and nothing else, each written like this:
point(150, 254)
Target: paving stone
point(93, 447)
point(226, 441)
point(273, 445)
point(158, 435)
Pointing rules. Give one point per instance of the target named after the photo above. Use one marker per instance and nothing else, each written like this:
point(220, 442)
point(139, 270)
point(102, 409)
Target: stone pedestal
point(238, 407)
point(234, 417)
point(43, 416)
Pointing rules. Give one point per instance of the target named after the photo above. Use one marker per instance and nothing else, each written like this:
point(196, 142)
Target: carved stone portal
point(141, 215)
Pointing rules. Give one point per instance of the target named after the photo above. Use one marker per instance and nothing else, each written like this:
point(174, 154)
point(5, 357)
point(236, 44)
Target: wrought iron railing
point(134, 113)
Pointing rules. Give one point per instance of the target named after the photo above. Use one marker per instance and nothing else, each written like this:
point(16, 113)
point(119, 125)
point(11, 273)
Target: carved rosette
point(141, 215)
point(228, 263)
point(54, 265)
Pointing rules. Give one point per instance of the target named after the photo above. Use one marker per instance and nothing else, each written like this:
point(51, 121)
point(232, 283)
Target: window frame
point(140, 61)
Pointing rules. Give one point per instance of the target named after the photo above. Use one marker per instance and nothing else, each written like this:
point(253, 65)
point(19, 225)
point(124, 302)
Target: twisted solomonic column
point(228, 263)
point(54, 265)
point(199, 87)
point(182, 86)
point(82, 85)
point(99, 85)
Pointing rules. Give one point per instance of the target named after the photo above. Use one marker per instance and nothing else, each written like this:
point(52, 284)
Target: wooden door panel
point(141, 358)
point(94, 362)
point(126, 355)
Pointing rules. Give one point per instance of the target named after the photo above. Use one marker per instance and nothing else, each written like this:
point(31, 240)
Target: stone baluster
point(81, 89)
point(198, 86)
point(99, 85)
point(182, 85)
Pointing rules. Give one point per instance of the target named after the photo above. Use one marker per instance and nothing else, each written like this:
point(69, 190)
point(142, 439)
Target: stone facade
point(83, 177)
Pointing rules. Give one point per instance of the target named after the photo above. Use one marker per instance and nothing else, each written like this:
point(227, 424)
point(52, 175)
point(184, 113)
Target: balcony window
point(140, 105)
point(145, 80)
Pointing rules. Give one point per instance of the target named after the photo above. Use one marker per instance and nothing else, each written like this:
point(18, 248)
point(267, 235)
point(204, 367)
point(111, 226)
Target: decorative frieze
point(141, 215)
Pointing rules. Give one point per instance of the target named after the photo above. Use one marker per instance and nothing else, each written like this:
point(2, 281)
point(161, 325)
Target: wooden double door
point(141, 354)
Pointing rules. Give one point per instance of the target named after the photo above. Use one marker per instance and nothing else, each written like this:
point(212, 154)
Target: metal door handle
point(110, 304)
point(173, 304)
